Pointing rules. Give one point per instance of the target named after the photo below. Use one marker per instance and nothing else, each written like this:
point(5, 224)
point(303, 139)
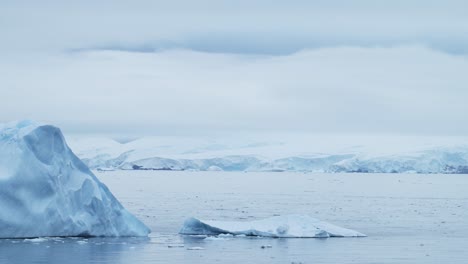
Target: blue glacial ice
point(45, 190)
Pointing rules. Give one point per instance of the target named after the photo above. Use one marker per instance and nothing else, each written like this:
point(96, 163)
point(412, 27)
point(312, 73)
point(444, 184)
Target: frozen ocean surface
point(409, 218)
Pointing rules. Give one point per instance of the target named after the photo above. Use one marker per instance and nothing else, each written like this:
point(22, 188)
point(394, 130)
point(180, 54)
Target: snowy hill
point(304, 153)
point(45, 190)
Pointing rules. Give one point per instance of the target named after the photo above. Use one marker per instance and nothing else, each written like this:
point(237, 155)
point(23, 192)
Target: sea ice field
point(408, 218)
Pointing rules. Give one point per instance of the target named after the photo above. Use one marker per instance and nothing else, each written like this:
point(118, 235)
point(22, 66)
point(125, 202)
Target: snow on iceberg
point(288, 226)
point(45, 190)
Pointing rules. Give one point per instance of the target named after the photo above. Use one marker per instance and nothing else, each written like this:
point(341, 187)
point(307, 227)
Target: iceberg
point(45, 190)
point(287, 226)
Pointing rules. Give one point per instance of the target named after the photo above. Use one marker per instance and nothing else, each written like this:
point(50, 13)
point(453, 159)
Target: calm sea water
point(408, 219)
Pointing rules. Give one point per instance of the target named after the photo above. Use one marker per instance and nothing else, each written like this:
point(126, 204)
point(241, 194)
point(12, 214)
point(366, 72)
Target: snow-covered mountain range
point(317, 153)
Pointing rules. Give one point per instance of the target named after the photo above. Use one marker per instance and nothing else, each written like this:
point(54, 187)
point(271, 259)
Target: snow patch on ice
point(214, 168)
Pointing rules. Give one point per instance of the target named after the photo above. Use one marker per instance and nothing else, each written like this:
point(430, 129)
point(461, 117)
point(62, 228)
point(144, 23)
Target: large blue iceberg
point(45, 190)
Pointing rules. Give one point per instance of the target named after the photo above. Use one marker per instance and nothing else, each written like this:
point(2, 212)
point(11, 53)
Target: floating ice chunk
point(36, 240)
point(45, 190)
point(216, 238)
point(288, 226)
point(195, 248)
point(175, 246)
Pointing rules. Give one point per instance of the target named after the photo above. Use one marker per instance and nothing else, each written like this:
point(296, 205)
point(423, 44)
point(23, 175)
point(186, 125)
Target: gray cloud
point(264, 27)
point(187, 66)
point(409, 89)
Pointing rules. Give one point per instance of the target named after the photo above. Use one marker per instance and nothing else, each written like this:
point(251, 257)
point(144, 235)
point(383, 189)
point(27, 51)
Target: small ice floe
point(195, 248)
point(198, 236)
point(175, 246)
point(227, 235)
point(36, 240)
point(216, 238)
point(288, 226)
point(82, 242)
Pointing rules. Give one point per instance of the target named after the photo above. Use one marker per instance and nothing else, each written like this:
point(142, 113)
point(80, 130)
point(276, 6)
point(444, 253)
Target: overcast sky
point(172, 67)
